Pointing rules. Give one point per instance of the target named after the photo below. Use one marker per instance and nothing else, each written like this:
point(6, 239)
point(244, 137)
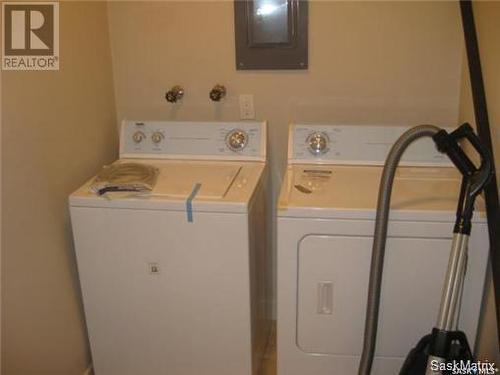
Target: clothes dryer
point(325, 229)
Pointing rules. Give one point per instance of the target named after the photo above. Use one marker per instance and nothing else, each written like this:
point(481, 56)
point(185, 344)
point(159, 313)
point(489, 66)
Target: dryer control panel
point(193, 140)
point(357, 144)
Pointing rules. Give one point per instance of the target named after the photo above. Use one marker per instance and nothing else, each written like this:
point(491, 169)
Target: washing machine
point(174, 281)
point(325, 229)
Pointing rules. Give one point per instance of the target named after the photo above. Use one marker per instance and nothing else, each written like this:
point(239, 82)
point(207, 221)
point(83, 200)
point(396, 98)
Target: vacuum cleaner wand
point(445, 343)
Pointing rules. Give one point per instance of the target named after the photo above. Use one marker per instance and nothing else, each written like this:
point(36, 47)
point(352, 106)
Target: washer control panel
point(193, 140)
point(356, 144)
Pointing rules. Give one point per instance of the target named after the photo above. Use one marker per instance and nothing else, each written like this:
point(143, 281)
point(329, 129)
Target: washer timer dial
point(236, 140)
point(317, 143)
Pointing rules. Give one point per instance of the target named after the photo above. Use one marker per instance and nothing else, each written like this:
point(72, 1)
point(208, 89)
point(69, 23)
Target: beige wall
point(370, 62)
point(487, 15)
point(395, 63)
point(58, 128)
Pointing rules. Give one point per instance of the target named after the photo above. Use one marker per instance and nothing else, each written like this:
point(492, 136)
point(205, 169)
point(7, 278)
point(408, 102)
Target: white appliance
point(175, 283)
point(325, 229)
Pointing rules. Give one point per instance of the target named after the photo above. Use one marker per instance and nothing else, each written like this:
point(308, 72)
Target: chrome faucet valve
point(217, 93)
point(174, 94)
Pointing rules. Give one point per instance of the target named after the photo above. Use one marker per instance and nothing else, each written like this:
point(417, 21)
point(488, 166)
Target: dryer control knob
point(236, 140)
point(138, 136)
point(318, 143)
point(157, 137)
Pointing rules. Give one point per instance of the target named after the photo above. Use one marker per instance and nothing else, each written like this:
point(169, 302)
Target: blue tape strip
point(189, 202)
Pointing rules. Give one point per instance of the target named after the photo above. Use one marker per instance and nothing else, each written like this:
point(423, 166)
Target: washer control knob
point(236, 140)
point(138, 136)
point(157, 137)
point(318, 143)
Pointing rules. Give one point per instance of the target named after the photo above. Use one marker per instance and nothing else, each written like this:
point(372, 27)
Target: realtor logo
point(31, 36)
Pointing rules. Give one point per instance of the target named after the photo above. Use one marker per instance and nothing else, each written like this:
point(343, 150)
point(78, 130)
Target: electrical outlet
point(247, 109)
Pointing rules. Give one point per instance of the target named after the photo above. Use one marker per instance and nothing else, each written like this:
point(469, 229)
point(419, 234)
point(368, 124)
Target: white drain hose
point(379, 240)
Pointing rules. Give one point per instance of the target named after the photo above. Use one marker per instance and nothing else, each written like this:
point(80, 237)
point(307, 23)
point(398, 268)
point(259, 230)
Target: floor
point(269, 366)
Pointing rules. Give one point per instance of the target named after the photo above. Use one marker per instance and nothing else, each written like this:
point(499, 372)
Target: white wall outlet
point(247, 109)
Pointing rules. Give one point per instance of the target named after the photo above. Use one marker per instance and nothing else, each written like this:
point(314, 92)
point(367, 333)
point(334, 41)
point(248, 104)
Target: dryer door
point(333, 285)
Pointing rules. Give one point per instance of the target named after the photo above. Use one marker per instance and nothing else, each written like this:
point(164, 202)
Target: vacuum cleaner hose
point(379, 240)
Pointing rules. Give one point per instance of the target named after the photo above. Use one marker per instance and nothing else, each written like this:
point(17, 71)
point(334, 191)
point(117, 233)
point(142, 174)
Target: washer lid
point(177, 180)
point(209, 186)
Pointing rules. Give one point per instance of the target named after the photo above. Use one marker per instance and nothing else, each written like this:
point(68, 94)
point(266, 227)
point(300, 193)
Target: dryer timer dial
point(318, 143)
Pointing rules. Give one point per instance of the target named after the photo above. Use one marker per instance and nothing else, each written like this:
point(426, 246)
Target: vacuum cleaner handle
point(449, 144)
